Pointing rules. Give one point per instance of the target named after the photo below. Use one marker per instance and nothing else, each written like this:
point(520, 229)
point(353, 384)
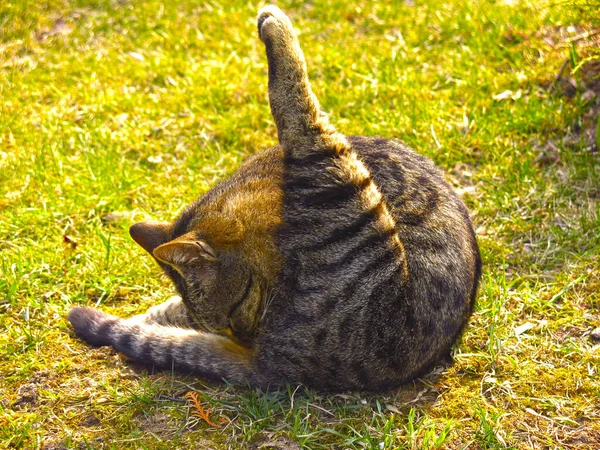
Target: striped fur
point(338, 262)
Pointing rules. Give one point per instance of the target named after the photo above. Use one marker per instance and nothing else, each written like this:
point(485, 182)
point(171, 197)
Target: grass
point(113, 112)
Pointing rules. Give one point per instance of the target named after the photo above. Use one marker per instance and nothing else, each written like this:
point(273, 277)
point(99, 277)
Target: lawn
point(112, 112)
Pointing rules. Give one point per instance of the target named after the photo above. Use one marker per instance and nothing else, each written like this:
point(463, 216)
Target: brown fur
point(340, 262)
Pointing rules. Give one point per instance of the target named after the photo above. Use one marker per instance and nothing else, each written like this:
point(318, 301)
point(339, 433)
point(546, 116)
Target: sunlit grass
point(137, 108)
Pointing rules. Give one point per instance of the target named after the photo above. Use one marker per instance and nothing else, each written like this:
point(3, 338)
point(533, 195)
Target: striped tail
point(184, 350)
point(302, 126)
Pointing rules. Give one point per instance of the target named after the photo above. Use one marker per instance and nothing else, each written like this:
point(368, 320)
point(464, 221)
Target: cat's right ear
point(150, 235)
point(184, 250)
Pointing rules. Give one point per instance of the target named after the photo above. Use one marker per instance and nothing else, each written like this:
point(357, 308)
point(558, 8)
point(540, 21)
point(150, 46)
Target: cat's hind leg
point(302, 126)
point(329, 191)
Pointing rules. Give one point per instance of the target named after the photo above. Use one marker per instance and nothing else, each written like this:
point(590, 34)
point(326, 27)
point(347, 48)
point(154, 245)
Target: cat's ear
point(150, 235)
point(183, 250)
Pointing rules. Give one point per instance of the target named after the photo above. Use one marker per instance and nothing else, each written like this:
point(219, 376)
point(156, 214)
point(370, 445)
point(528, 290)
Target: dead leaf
point(523, 328)
point(115, 216)
point(588, 96)
point(69, 240)
point(466, 190)
point(137, 56)
point(547, 155)
point(481, 231)
point(393, 409)
point(199, 410)
point(155, 159)
point(60, 27)
point(508, 94)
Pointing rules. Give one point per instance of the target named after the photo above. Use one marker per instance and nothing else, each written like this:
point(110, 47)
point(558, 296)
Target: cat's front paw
point(91, 325)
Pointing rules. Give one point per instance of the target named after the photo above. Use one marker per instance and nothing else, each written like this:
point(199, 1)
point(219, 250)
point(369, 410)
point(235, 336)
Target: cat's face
point(216, 285)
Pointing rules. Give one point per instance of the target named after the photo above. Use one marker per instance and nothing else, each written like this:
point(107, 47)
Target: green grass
point(139, 107)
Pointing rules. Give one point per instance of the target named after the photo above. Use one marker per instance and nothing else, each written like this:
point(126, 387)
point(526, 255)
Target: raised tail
point(302, 126)
point(183, 350)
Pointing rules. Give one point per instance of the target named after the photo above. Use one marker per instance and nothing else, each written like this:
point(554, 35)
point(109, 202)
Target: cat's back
point(434, 226)
point(345, 315)
point(431, 219)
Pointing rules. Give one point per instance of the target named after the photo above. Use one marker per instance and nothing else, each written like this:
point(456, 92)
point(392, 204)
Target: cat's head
point(215, 282)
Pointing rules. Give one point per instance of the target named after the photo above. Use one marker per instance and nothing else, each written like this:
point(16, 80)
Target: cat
point(343, 263)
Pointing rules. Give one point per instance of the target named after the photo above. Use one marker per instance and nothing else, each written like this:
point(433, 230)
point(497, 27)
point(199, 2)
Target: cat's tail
point(302, 126)
point(183, 350)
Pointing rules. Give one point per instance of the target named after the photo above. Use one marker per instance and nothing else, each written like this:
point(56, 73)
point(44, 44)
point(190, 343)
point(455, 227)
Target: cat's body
point(341, 263)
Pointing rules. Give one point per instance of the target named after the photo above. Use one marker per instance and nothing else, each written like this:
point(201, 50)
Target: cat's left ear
point(183, 250)
point(150, 235)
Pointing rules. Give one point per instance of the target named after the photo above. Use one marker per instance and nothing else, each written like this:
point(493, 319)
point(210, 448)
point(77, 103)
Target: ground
point(117, 111)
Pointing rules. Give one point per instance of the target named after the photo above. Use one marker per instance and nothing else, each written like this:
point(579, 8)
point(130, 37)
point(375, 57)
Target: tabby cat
point(339, 262)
